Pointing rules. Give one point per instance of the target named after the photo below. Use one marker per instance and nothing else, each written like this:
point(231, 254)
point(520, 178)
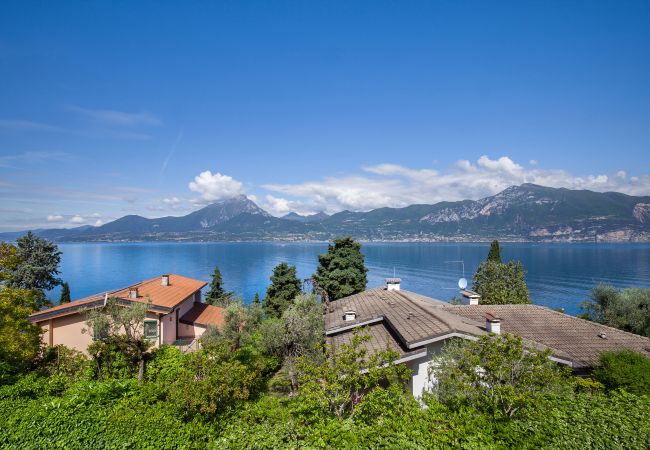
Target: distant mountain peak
point(317, 217)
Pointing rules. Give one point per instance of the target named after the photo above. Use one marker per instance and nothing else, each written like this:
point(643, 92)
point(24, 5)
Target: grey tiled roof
point(408, 321)
point(380, 339)
point(581, 340)
point(411, 317)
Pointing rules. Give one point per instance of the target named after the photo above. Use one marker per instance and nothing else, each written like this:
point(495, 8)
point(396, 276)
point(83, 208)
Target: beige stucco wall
point(190, 331)
point(169, 321)
point(67, 330)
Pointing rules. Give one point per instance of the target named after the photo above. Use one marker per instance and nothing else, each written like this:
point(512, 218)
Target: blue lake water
point(558, 275)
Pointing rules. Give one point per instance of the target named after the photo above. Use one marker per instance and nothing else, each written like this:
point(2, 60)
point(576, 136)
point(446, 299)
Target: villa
point(175, 313)
point(417, 327)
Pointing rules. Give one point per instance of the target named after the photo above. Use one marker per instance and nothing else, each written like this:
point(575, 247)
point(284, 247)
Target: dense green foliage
point(626, 309)
point(495, 252)
point(341, 271)
point(119, 339)
point(500, 284)
point(19, 338)
point(285, 286)
point(217, 295)
point(496, 374)
point(624, 369)
point(65, 293)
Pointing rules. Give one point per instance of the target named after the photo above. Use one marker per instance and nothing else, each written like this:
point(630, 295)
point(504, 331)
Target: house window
point(150, 329)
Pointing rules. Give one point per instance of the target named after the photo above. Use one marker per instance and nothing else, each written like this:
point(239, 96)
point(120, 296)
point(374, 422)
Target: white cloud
point(11, 161)
point(26, 125)
point(54, 218)
point(281, 206)
point(172, 201)
point(213, 187)
point(394, 185)
point(621, 174)
point(532, 162)
point(77, 219)
point(111, 117)
point(98, 223)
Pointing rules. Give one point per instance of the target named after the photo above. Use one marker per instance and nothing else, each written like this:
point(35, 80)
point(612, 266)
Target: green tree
point(285, 286)
point(348, 375)
point(298, 333)
point(38, 267)
point(495, 252)
point(501, 284)
point(626, 309)
point(217, 295)
point(256, 299)
point(624, 369)
point(341, 271)
point(9, 261)
point(119, 327)
point(65, 293)
point(495, 374)
point(20, 340)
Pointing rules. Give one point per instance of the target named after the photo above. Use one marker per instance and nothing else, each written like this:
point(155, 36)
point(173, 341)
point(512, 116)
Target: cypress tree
point(495, 252)
point(217, 295)
point(342, 271)
point(65, 293)
point(256, 299)
point(285, 287)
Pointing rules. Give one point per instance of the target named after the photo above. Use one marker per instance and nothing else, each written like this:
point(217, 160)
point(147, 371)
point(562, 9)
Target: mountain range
point(520, 213)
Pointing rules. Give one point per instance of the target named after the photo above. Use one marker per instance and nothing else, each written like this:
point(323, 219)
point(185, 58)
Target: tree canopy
point(625, 309)
point(217, 295)
point(65, 293)
point(19, 339)
point(285, 287)
point(341, 271)
point(496, 374)
point(495, 252)
point(501, 284)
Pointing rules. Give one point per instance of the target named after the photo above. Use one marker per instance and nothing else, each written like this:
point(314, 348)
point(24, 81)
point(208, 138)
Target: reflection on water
point(558, 275)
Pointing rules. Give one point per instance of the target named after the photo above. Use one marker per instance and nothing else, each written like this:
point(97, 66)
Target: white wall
point(420, 381)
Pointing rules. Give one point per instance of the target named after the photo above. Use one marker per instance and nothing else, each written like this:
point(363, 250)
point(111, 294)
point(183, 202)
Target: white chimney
point(165, 280)
point(393, 284)
point(470, 297)
point(492, 323)
point(133, 293)
point(350, 315)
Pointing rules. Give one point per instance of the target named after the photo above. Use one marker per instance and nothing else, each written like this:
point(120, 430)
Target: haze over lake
point(558, 275)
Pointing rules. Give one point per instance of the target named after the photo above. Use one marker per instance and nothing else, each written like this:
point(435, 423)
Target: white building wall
point(420, 380)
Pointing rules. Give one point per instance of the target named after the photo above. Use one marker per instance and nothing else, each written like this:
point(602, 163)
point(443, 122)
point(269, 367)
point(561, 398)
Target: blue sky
point(157, 108)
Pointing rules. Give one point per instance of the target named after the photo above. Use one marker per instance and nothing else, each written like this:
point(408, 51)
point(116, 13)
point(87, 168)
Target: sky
point(111, 108)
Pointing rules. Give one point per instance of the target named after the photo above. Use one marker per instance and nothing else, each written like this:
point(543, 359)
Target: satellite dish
point(462, 283)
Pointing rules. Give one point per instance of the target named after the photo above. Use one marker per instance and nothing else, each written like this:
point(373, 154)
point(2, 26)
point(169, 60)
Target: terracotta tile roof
point(581, 340)
point(204, 315)
point(162, 297)
point(179, 289)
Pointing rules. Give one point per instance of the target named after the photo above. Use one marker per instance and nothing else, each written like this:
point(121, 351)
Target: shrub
point(624, 369)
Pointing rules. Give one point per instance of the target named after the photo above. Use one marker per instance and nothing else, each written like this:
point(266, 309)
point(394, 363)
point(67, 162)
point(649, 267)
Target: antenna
point(394, 274)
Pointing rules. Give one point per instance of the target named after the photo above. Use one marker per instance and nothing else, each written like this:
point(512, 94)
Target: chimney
point(470, 297)
point(392, 284)
point(133, 293)
point(350, 315)
point(492, 323)
point(165, 280)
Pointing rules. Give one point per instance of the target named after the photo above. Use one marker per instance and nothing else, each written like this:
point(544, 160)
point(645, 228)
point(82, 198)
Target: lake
point(558, 275)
